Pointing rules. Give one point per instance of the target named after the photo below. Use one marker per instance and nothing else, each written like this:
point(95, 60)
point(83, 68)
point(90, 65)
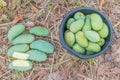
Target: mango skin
point(92, 36)
point(94, 47)
point(18, 48)
point(96, 21)
point(78, 49)
point(69, 38)
point(104, 31)
point(43, 46)
point(79, 15)
point(15, 31)
point(39, 31)
point(23, 39)
point(101, 42)
point(69, 22)
point(81, 39)
point(87, 25)
point(36, 55)
point(77, 25)
point(19, 68)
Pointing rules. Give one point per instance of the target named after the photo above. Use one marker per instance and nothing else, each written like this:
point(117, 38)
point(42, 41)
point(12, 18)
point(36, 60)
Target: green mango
point(15, 31)
point(18, 48)
point(94, 47)
point(36, 55)
point(104, 31)
point(24, 38)
point(43, 46)
point(77, 25)
point(92, 36)
point(20, 55)
point(69, 22)
point(78, 48)
point(81, 39)
point(79, 15)
point(69, 38)
point(101, 42)
point(96, 21)
point(39, 31)
point(87, 25)
point(89, 52)
point(20, 65)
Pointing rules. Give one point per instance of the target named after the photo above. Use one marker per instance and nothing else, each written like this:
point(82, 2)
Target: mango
point(69, 22)
point(43, 46)
point(94, 47)
point(15, 31)
point(77, 25)
point(89, 52)
point(87, 25)
point(69, 38)
point(92, 36)
point(20, 55)
point(104, 31)
point(20, 65)
point(78, 48)
point(101, 42)
point(81, 39)
point(24, 38)
point(79, 15)
point(39, 31)
point(36, 55)
point(18, 48)
point(96, 21)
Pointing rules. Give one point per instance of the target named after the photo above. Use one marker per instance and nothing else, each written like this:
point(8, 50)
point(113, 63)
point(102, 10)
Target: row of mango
point(25, 48)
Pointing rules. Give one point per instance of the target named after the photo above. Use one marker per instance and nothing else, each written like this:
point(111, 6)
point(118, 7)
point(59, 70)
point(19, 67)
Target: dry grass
point(61, 65)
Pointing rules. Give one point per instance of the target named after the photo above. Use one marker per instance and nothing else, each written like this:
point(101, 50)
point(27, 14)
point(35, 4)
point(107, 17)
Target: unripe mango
point(79, 15)
point(18, 48)
point(43, 46)
point(94, 47)
point(101, 42)
point(36, 55)
point(81, 39)
point(20, 65)
point(104, 31)
point(15, 31)
point(92, 36)
point(78, 48)
point(24, 38)
point(87, 25)
point(96, 21)
point(77, 25)
point(69, 38)
point(39, 31)
point(69, 22)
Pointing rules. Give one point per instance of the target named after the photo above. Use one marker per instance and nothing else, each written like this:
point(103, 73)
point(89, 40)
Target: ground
point(60, 65)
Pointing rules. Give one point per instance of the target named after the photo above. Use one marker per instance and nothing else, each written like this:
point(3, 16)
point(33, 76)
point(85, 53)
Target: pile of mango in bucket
point(86, 34)
point(25, 48)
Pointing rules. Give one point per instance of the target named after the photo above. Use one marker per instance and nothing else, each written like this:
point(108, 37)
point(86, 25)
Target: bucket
point(86, 10)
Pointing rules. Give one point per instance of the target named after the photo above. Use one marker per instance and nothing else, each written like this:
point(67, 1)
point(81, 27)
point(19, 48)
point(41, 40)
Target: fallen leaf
point(40, 74)
point(34, 8)
point(17, 18)
point(115, 70)
point(101, 2)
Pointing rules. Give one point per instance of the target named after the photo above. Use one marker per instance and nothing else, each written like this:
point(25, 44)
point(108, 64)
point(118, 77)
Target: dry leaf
point(40, 74)
point(54, 76)
point(17, 18)
point(101, 2)
point(115, 70)
point(34, 8)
